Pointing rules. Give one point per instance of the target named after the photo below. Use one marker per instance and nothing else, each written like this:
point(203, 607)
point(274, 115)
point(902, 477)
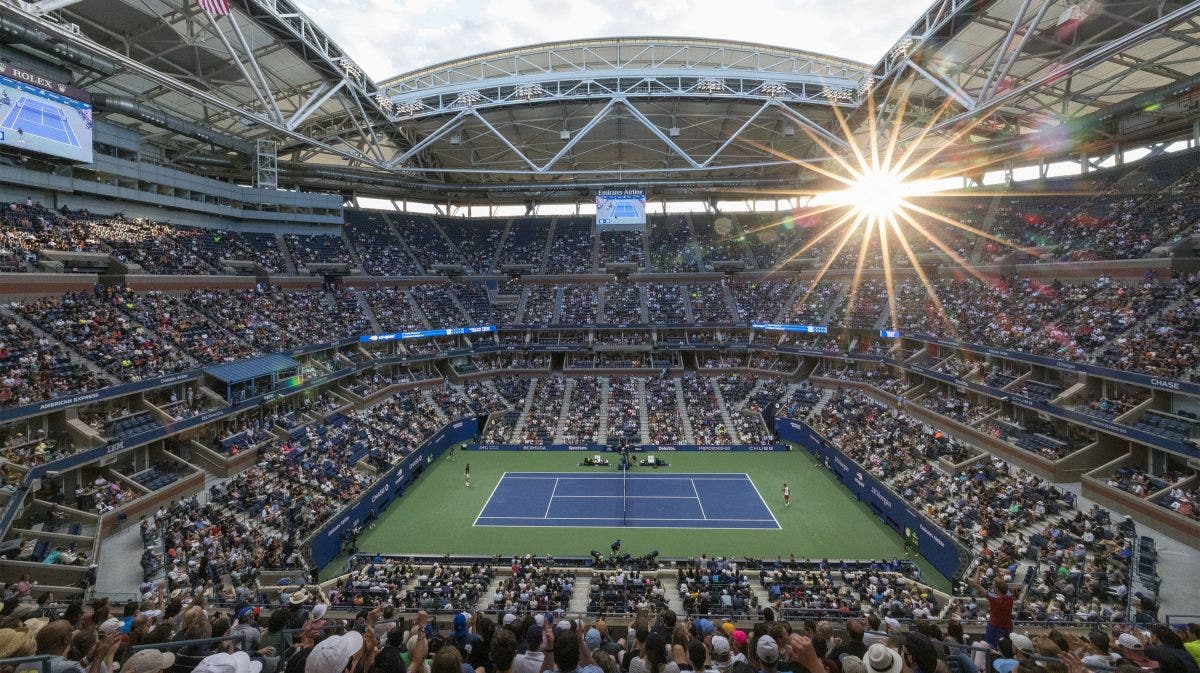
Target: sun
point(877, 194)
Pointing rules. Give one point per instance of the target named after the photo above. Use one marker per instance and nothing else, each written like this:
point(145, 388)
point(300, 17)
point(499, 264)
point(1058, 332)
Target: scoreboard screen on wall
point(44, 116)
point(620, 210)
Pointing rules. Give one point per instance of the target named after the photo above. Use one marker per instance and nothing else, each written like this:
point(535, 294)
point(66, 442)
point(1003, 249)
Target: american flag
point(215, 7)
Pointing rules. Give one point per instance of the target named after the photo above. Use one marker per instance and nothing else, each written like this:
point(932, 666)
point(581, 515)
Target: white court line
point(653, 497)
point(698, 499)
point(489, 499)
point(551, 502)
point(764, 502)
point(665, 477)
point(613, 518)
point(621, 526)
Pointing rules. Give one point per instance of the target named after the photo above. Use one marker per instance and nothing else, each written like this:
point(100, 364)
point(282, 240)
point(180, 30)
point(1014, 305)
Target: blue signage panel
point(428, 333)
point(777, 327)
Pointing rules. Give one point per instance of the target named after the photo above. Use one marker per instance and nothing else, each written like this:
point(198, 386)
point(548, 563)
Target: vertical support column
point(266, 164)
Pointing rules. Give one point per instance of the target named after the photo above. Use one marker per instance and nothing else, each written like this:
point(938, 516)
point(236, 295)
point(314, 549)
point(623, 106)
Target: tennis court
point(562, 499)
point(42, 120)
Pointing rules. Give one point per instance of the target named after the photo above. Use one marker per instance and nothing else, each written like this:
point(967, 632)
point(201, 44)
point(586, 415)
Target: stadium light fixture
point(711, 85)
point(410, 108)
point(468, 99)
point(773, 89)
point(529, 91)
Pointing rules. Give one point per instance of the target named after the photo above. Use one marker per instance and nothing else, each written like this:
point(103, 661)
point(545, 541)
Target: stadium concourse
point(600, 356)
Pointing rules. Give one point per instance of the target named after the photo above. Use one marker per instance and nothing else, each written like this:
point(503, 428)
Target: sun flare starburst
point(880, 207)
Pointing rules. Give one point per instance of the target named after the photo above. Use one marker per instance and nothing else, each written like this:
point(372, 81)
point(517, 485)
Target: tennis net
point(624, 494)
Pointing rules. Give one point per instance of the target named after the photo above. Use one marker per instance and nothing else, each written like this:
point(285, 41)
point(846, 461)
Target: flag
point(215, 7)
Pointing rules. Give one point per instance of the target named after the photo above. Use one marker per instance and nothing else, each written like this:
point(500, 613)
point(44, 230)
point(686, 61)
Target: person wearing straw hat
point(17, 643)
point(148, 661)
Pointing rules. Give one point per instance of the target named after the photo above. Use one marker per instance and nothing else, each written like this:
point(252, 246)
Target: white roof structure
point(1030, 78)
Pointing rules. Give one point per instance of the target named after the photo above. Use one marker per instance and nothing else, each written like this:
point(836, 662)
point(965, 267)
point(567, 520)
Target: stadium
point(784, 361)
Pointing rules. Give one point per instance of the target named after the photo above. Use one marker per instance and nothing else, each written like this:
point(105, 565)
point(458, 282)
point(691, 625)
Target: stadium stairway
point(519, 426)
point(723, 408)
point(670, 585)
point(401, 242)
point(986, 225)
point(485, 597)
point(602, 427)
point(643, 305)
point(437, 409)
point(561, 424)
point(579, 596)
point(685, 292)
point(466, 316)
point(826, 394)
point(757, 588)
point(730, 302)
point(366, 309)
point(643, 415)
point(416, 309)
point(601, 301)
point(545, 260)
point(831, 312)
point(685, 420)
point(522, 300)
point(76, 359)
point(558, 302)
point(286, 254)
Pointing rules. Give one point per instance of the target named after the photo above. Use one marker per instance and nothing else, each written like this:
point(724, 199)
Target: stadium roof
point(1042, 78)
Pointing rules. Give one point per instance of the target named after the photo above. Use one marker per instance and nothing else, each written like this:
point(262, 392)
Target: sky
point(392, 37)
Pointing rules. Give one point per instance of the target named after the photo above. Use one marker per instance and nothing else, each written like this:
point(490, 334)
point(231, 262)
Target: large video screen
point(620, 210)
point(41, 115)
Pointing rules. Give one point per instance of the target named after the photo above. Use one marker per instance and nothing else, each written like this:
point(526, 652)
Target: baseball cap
point(1004, 665)
point(238, 662)
point(852, 664)
point(705, 627)
point(720, 645)
point(739, 637)
point(768, 650)
point(882, 659)
point(331, 655)
point(509, 618)
point(148, 661)
point(110, 625)
point(460, 623)
point(592, 639)
point(1129, 641)
point(1021, 643)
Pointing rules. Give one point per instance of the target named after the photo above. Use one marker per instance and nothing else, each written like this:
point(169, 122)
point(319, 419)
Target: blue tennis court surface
point(40, 119)
point(625, 210)
point(558, 499)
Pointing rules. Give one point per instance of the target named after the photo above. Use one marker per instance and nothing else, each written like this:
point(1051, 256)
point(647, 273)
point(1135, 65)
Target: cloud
point(391, 37)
